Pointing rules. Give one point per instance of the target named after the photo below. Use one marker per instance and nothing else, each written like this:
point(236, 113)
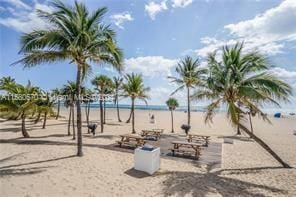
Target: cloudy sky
point(156, 34)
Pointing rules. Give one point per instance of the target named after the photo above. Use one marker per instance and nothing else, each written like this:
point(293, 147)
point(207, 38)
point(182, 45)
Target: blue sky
point(156, 34)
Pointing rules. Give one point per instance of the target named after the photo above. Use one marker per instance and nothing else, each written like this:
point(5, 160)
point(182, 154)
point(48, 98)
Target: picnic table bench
point(131, 140)
point(155, 133)
point(186, 148)
point(204, 139)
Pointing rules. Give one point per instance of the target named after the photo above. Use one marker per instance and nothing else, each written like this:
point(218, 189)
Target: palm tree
point(45, 106)
point(241, 81)
point(56, 92)
point(87, 101)
point(191, 75)
point(21, 107)
point(102, 83)
point(117, 81)
point(70, 90)
point(135, 89)
point(172, 104)
point(75, 35)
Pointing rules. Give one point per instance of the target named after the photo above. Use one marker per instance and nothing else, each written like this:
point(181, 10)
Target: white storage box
point(147, 161)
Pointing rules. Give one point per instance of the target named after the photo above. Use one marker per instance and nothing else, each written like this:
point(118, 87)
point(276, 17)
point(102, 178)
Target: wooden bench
point(204, 139)
point(154, 133)
point(186, 148)
point(131, 140)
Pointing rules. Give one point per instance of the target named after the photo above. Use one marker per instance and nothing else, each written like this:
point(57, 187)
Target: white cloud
point(283, 73)
point(120, 18)
point(181, 3)
point(17, 3)
point(150, 65)
point(24, 18)
point(153, 8)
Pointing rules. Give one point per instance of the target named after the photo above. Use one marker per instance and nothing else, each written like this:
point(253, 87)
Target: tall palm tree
point(70, 90)
point(102, 83)
point(135, 89)
point(241, 81)
point(117, 81)
point(56, 92)
point(75, 35)
point(21, 107)
point(172, 104)
point(191, 75)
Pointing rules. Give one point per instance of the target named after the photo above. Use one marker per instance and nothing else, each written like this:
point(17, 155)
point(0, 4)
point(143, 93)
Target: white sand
point(45, 166)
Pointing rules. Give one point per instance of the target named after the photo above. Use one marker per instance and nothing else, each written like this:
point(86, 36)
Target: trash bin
point(147, 160)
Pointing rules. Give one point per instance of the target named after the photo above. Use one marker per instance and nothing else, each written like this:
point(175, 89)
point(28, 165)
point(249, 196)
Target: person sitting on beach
point(152, 119)
point(92, 128)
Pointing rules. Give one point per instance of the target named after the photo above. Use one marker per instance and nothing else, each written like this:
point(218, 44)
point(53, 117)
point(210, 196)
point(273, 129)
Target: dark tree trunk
point(24, 130)
point(69, 122)
point(130, 116)
point(79, 124)
point(133, 115)
point(104, 111)
point(38, 118)
point(265, 146)
point(73, 122)
point(44, 121)
point(86, 115)
point(238, 132)
point(172, 121)
point(251, 124)
point(58, 112)
point(117, 108)
point(188, 106)
point(101, 115)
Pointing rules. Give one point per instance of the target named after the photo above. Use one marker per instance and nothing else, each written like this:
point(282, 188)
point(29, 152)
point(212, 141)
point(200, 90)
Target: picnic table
point(186, 148)
point(131, 140)
point(205, 139)
point(155, 133)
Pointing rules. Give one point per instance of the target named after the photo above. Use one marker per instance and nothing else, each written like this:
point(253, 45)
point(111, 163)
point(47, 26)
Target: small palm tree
point(21, 107)
point(172, 104)
point(117, 81)
point(135, 89)
point(70, 90)
point(45, 106)
point(191, 75)
point(102, 83)
point(76, 35)
point(87, 101)
point(241, 81)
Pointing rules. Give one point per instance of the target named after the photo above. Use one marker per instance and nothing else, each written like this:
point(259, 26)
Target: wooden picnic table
point(131, 140)
point(186, 148)
point(155, 133)
point(205, 139)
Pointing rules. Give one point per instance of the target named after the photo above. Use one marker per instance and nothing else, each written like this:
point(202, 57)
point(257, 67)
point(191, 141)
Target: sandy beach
point(46, 165)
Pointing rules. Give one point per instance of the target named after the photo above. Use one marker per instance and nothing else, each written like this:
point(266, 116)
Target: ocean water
point(268, 110)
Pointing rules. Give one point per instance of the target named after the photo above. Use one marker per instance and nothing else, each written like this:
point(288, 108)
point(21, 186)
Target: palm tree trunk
point(73, 122)
point(58, 112)
point(101, 115)
point(238, 132)
point(44, 121)
point(104, 111)
point(265, 146)
point(69, 122)
point(79, 124)
point(38, 118)
point(86, 115)
point(24, 130)
point(172, 121)
point(117, 108)
point(188, 106)
point(130, 116)
point(133, 116)
point(251, 124)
